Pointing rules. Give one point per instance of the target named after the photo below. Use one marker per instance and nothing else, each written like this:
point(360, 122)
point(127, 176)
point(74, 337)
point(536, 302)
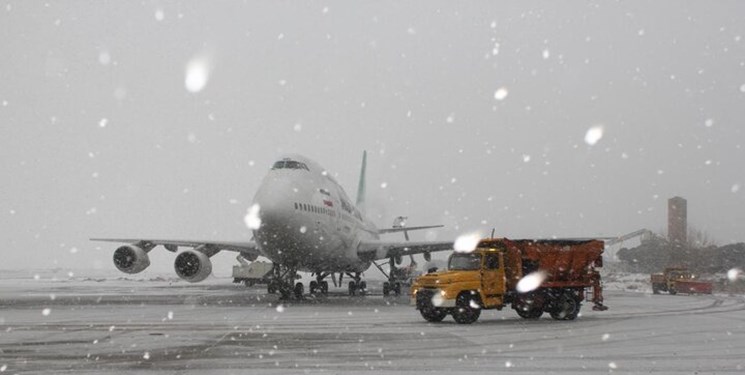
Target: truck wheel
point(467, 309)
point(313, 287)
point(533, 313)
point(655, 289)
point(566, 307)
point(672, 291)
point(324, 287)
point(387, 289)
point(433, 314)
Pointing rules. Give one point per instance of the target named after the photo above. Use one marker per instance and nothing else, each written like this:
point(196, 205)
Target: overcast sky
point(160, 119)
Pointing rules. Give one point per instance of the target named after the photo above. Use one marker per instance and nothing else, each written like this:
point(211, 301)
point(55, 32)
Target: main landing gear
point(395, 275)
point(319, 285)
point(284, 279)
point(357, 286)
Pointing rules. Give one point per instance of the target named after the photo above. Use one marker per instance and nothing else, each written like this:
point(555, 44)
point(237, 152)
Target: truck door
point(493, 279)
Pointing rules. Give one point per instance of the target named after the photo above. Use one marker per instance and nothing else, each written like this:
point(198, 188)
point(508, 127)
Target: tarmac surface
point(126, 325)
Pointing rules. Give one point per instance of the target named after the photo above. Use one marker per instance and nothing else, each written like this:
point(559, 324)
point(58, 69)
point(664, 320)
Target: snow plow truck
point(530, 276)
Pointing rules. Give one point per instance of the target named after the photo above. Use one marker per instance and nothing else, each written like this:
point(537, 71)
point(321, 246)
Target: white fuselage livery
point(307, 220)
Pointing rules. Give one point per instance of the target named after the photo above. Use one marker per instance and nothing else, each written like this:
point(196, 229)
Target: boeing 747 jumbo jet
point(302, 220)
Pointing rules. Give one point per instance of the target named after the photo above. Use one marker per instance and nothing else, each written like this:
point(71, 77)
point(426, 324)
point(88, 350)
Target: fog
point(159, 119)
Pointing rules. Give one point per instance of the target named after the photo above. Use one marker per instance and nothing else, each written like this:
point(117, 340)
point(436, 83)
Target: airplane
point(302, 220)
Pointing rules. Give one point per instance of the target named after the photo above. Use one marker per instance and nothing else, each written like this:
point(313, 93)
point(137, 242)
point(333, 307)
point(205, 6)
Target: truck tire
point(655, 288)
point(566, 307)
point(433, 314)
point(467, 308)
point(533, 313)
point(672, 290)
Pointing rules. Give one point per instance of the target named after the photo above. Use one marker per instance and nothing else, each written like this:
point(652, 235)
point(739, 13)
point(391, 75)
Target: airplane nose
point(275, 200)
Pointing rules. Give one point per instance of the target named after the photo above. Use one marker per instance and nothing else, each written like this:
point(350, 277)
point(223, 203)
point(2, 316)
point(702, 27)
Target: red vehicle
point(679, 280)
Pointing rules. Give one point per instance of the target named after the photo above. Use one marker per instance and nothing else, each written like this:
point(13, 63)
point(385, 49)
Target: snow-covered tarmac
point(114, 325)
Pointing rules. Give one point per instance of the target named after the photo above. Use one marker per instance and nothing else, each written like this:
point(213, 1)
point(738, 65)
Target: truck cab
point(477, 277)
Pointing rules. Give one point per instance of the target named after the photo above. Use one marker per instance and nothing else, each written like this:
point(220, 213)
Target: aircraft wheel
point(352, 288)
point(386, 288)
point(324, 287)
point(313, 287)
point(299, 290)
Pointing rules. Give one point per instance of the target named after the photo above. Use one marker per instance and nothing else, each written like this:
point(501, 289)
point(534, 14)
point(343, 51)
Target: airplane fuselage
point(307, 220)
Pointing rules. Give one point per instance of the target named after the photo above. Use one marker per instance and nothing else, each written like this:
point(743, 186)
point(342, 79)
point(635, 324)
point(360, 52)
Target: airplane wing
point(407, 229)
point(374, 250)
point(249, 248)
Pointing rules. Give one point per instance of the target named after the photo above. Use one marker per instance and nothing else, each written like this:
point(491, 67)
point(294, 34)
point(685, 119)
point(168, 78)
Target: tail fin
point(361, 186)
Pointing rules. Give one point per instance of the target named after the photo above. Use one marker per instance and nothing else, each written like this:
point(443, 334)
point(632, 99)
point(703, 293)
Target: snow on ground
point(101, 324)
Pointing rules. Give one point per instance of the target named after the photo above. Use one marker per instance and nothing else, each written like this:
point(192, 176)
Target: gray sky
point(102, 136)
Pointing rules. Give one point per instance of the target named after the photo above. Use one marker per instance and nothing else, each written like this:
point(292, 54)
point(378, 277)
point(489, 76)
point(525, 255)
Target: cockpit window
point(290, 164)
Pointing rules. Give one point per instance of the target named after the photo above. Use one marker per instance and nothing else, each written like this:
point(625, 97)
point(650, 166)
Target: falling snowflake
point(594, 134)
point(252, 219)
point(734, 274)
point(104, 58)
point(501, 93)
point(197, 74)
point(531, 281)
point(467, 243)
point(46, 311)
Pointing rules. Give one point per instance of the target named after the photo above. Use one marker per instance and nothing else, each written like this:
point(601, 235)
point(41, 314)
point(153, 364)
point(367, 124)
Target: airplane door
point(493, 279)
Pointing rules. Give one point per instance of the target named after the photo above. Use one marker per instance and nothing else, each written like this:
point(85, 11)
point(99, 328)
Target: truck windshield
point(461, 262)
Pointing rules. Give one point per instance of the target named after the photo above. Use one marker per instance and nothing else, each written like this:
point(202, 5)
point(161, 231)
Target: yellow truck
point(531, 276)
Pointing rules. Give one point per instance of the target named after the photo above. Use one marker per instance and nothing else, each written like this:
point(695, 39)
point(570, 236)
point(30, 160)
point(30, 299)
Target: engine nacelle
point(193, 266)
point(131, 259)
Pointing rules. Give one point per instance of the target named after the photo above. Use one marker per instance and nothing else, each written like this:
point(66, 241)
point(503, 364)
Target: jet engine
point(193, 266)
point(131, 259)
